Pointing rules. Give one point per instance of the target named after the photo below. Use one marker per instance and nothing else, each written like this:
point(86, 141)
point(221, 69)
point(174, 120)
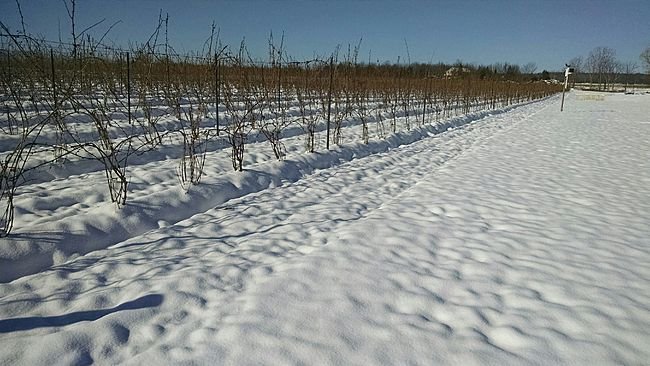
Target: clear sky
point(547, 32)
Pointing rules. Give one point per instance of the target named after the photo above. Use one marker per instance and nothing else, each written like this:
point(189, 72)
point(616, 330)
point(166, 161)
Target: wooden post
point(53, 80)
point(216, 90)
point(279, 84)
point(128, 84)
point(329, 100)
point(9, 124)
point(426, 93)
point(121, 75)
point(566, 83)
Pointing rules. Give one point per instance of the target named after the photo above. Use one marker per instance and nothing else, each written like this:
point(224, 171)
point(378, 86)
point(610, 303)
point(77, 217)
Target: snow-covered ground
point(518, 237)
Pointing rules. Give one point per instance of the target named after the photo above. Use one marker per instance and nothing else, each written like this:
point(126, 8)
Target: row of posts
point(217, 88)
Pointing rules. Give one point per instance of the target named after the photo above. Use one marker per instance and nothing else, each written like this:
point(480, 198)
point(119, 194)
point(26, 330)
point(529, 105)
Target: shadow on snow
point(18, 324)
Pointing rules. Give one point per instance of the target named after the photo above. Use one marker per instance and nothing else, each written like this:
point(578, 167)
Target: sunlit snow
point(518, 236)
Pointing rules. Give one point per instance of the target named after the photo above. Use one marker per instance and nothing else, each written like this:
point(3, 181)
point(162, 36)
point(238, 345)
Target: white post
point(567, 72)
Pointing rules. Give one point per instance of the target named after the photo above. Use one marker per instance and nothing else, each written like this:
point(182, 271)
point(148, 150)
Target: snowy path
point(543, 259)
point(521, 238)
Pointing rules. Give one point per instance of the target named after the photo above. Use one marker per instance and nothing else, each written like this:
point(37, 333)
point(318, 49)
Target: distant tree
point(576, 63)
point(628, 68)
point(545, 75)
point(529, 68)
point(512, 71)
point(507, 70)
point(645, 59)
point(602, 64)
point(484, 71)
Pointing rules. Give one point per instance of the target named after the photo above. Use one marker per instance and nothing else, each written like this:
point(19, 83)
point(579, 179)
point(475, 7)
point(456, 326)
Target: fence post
point(53, 81)
point(121, 75)
point(329, 100)
point(167, 71)
point(567, 72)
point(9, 124)
point(426, 94)
point(279, 84)
point(216, 90)
point(128, 84)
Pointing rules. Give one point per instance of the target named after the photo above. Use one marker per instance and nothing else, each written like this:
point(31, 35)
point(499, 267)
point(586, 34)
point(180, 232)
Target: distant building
point(456, 71)
point(552, 81)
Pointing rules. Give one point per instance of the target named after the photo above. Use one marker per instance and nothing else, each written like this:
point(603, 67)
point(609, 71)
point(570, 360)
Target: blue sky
point(547, 32)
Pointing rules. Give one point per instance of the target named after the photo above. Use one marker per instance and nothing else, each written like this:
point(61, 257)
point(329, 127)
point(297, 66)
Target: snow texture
point(516, 238)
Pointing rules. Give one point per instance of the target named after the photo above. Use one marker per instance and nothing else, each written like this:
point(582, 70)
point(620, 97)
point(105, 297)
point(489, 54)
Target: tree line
point(603, 70)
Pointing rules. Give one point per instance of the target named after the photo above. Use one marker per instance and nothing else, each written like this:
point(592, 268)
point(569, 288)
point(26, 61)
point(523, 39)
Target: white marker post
point(569, 70)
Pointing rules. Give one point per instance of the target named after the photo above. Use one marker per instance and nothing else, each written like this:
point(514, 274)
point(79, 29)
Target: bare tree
point(28, 113)
point(576, 63)
point(13, 167)
point(602, 64)
point(190, 166)
point(242, 102)
point(645, 58)
point(308, 95)
point(529, 68)
point(629, 67)
point(272, 128)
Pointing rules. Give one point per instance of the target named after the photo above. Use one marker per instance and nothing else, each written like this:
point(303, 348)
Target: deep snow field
point(512, 237)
